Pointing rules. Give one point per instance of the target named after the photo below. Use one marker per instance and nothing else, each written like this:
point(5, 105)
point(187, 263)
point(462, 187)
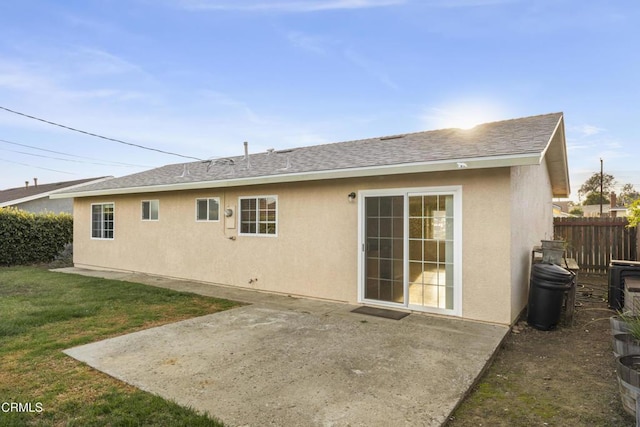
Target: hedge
point(28, 238)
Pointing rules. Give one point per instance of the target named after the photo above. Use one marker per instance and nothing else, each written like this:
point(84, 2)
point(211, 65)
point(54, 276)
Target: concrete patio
point(288, 361)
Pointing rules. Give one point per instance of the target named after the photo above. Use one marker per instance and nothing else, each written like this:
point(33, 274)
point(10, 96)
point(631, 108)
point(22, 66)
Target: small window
point(102, 220)
point(208, 209)
point(258, 215)
point(150, 209)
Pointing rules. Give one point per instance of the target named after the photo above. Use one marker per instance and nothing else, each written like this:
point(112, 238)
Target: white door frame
point(456, 191)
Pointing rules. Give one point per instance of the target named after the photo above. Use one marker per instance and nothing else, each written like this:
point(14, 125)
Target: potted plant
point(627, 351)
point(626, 334)
point(557, 243)
point(553, 251)
point(628, 370)
point(620, 323)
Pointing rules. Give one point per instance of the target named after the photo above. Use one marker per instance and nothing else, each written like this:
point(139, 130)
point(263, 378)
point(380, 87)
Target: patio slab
point(285, 361)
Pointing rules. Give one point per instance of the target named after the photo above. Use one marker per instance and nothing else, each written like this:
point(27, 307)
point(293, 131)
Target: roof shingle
point(19, 193)
point(515, 137)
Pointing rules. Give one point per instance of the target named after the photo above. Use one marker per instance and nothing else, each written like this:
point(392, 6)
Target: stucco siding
point(531, 221)
point(310, 255)
point(316, 250)
point(486, 250)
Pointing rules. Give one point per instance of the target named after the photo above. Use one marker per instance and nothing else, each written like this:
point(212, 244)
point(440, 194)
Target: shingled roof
point(12, 196)
point(503, 143)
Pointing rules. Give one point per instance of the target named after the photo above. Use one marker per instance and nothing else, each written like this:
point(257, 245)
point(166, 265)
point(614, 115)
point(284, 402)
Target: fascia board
point(405, 168)
point(29, 198)
point(18, 201)
point(562, 162)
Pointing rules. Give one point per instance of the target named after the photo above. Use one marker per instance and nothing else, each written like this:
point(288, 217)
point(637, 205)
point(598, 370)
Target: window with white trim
point(208, 209)
point(259, 215)
point(102, 220)
point(150, 210)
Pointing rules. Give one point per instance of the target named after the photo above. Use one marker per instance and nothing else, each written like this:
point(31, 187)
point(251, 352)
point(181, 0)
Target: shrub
point(28, 238)
point(634, 214)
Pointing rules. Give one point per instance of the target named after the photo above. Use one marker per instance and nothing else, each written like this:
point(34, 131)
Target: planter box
point(627, 368)
point(624, 344)
point(618, 325)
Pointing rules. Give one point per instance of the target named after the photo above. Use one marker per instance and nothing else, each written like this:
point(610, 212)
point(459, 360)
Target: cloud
point(16, 76)
point(466, 3)
point(46, 80)
point(99, 62)
point(587, 130)
point(371, 67)
point(306, 42)
point(326, 46)
point(291, 6)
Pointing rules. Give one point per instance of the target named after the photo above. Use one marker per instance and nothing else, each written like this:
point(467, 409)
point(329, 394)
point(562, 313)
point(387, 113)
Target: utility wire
point(111, 162)
point(37, 167)
point(96, 135)
point(59, 158)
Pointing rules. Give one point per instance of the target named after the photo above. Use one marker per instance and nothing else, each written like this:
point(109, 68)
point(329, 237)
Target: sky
point(197, 78)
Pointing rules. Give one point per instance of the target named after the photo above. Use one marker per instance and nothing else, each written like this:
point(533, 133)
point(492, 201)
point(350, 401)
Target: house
point(35, 198)
point(612, 210)
point(405, 221)
point(561, 208)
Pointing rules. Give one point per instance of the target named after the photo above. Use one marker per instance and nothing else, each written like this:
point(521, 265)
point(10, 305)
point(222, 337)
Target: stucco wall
point(316, 251)
point(531, 221)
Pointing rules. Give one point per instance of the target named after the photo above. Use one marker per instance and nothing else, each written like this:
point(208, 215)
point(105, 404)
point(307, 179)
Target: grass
point(43, 313)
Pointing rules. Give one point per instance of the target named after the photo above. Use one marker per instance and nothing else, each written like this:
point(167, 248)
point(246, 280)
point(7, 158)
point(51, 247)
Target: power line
point(37, 167)
point(110, 162)
point(96, 135)
point(58, 158)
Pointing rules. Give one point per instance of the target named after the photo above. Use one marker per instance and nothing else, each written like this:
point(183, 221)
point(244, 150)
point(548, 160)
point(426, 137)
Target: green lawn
point(43, 313)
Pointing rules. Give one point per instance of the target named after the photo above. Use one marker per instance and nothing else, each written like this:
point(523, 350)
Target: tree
point(634, 214)
point(594, 199)
point(591, 188)
point(628, 195)
point(577, 211)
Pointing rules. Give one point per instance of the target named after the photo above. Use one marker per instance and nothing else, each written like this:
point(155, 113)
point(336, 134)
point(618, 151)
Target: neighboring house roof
point(524, 141)
point(18, 195)
point(594, 210)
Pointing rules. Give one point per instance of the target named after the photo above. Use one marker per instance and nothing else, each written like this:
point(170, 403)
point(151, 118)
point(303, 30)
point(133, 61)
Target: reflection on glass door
point(384, 253)
point(431, 251)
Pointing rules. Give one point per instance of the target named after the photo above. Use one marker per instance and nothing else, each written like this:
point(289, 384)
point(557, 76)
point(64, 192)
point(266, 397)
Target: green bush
point(28, 238)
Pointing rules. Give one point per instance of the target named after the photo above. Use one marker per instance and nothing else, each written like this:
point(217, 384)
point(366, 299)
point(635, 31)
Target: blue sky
point(199, 77)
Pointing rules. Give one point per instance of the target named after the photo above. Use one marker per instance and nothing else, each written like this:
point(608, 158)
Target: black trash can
point(548, 284)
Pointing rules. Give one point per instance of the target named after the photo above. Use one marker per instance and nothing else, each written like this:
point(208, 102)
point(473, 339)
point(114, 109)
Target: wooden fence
point(594, 242)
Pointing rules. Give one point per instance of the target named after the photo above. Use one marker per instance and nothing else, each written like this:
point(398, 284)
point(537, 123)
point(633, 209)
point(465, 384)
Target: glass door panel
point(384, 252)
point(431, 251)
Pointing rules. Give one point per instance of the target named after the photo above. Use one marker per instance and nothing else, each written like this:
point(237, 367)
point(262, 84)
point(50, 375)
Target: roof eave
point(555, 154)
point(405, 168)
point(48, 194)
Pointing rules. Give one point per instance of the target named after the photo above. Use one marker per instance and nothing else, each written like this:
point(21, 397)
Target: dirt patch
point(556, 378)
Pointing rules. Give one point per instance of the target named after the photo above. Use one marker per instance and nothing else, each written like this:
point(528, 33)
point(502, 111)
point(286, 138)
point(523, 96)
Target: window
point(150, 209)
point(258, 215)
point(102, 223)
point(208, 209)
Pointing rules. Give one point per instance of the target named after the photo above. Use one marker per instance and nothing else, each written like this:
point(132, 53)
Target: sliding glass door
point(411, 248)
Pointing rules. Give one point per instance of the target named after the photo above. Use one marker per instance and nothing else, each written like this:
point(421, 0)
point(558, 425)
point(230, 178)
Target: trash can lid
point(551, 272)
